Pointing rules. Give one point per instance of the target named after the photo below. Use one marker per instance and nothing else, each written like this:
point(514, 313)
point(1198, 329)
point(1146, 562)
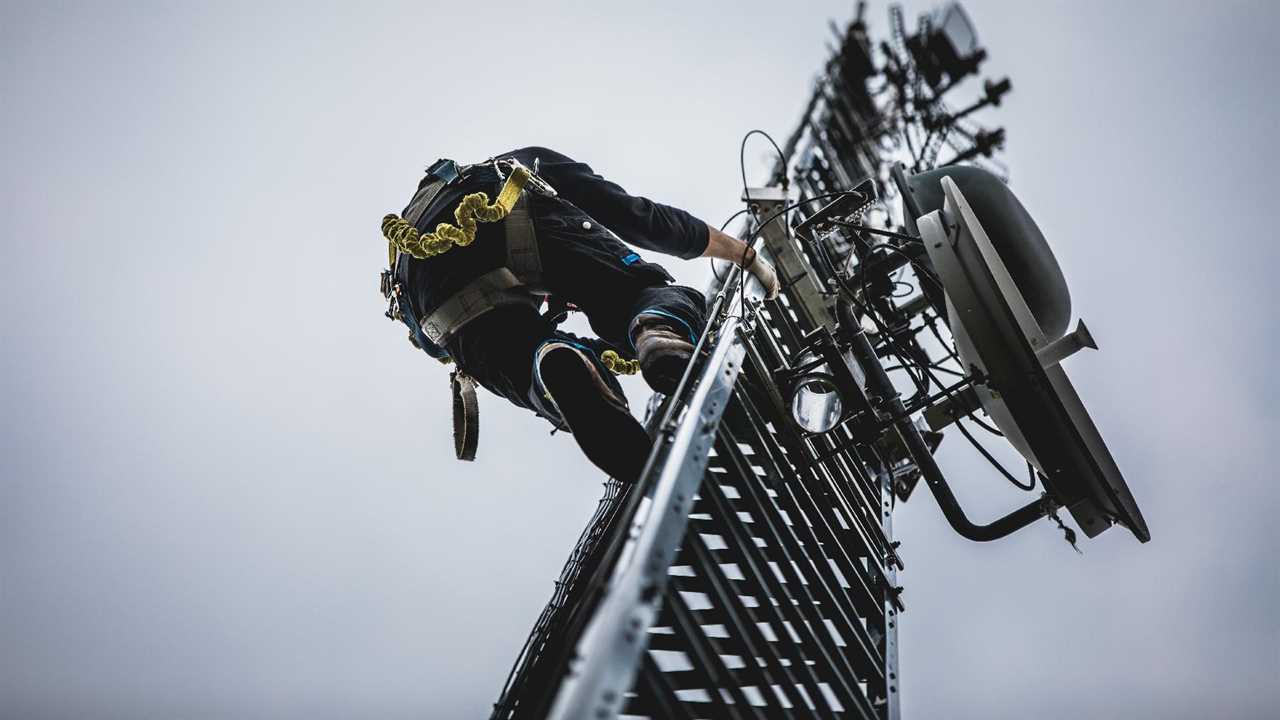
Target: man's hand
point(727, 247)
point(764, 272)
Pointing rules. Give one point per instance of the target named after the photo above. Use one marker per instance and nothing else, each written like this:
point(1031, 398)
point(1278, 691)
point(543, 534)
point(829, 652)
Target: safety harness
point(519, 281)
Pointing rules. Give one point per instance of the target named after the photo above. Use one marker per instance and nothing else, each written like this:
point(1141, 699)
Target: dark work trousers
point(584, 264)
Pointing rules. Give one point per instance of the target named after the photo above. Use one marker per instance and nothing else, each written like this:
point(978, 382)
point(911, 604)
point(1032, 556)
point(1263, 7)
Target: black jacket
point(636, 220)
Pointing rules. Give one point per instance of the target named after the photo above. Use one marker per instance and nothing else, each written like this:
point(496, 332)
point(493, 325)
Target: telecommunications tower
point(752, 570)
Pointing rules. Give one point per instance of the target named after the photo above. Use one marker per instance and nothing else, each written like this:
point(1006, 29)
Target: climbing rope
point(619, 365)
point(475, 208)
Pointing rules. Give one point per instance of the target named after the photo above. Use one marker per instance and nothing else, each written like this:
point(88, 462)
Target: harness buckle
point(540, 186)
point(391, 291)
point(384, 284)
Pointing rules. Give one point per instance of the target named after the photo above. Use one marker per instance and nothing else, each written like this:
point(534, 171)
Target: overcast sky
point(226, 481)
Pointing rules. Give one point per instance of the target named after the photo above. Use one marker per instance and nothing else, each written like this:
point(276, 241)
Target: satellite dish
point(1024, 388)
point(1012, 232)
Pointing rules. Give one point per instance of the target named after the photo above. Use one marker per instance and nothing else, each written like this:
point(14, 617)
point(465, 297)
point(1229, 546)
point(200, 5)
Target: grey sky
point(226, 482)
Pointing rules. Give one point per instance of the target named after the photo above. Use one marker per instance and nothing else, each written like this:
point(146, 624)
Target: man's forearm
point(723, 246)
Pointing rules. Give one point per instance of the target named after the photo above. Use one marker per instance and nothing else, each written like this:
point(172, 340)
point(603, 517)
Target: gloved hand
point(763, 271)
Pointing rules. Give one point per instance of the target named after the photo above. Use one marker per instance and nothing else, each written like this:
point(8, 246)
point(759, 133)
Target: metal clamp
point(534, 183)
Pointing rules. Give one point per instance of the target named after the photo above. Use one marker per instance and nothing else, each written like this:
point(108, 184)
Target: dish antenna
point(1007, 307)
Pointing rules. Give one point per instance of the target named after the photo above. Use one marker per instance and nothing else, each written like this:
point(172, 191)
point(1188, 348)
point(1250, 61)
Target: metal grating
point(782, 598)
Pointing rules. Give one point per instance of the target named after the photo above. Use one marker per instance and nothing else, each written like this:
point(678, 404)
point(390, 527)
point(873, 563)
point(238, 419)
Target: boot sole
point(663, 372)
point(590, 415)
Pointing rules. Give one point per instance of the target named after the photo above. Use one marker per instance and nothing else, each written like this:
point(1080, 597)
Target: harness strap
point(517, 283)
point(466, 416)
point(494, 288)
point(421, 200)
point(523, 257)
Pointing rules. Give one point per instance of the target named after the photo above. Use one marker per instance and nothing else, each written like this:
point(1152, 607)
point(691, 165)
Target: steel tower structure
point(752, 571)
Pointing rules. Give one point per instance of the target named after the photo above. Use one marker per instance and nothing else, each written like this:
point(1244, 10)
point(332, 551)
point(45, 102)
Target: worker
point(481, 248)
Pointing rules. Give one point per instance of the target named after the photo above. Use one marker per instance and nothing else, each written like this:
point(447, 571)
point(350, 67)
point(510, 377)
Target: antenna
point(1023, 386)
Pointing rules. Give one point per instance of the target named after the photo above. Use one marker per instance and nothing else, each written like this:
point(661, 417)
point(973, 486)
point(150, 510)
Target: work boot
point(663, 351)
point(598, 417)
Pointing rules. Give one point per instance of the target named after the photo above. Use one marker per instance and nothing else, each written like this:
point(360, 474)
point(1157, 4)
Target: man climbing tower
point(469, 276)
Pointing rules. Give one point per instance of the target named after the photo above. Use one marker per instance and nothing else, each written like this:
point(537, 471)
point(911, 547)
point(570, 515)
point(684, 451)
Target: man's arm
point(723, 246)
point(640, 221)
